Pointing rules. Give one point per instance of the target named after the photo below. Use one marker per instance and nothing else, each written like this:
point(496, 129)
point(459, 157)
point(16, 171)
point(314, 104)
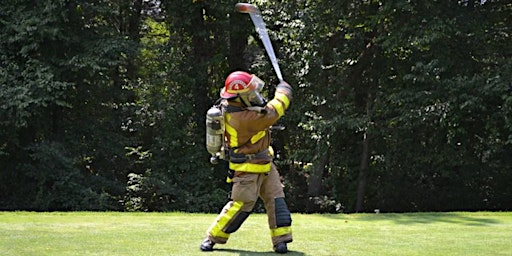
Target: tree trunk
point(315, 181)
point(315, 178)
point(363, 168)
point(202, 52)
point(364, 164)
point(237, 43)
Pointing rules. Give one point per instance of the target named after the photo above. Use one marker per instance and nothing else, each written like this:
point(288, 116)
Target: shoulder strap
point(232, 109)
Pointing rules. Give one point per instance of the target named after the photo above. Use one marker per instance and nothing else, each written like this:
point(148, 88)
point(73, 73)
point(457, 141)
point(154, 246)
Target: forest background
point(398, 105)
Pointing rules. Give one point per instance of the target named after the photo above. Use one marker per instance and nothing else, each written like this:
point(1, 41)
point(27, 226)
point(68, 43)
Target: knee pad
point(236, 222)
point(283, 217)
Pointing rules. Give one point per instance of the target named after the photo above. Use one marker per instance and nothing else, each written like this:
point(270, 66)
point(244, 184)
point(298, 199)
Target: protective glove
point(284, 87)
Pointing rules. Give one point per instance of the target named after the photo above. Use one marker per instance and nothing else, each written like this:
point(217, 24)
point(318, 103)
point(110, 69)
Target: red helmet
point(245, 85)
point(236, 83)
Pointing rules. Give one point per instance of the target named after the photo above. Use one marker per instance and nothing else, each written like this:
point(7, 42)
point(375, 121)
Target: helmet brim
point(226, 95)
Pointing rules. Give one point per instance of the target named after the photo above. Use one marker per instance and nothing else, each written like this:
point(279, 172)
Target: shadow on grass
point(249, 253)
point(424, 218)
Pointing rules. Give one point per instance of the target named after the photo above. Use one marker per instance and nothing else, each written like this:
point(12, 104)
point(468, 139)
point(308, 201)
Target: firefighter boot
point(281, 248)
point(207, 245)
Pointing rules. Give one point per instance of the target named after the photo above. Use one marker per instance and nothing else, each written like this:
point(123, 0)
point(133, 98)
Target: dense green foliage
point(398, 105)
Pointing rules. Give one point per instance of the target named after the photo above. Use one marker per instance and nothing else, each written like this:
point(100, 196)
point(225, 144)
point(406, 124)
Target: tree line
point(398, 105)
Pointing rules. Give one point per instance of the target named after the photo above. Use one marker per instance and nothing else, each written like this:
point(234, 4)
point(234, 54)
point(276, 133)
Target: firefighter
point(247, 119)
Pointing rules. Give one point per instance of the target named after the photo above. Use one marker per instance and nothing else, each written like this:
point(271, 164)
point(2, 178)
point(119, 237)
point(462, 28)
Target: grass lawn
point(113, 233)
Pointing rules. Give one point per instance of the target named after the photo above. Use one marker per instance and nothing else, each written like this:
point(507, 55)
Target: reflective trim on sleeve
point(284, 99)
point(250, 167)
point(280, 231)
point(278, 106)
point(280, 103)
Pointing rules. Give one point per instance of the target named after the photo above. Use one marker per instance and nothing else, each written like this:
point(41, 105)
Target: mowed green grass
point(114, 233)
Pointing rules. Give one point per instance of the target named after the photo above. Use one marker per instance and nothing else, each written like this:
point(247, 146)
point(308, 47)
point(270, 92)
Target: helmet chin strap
point(246, 104)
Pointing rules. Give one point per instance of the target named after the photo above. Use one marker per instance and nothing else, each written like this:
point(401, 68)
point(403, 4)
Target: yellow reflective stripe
point(280, 231)
point(250, 167)
point(233, 141)
point(270, 150)
point(216, 230)
point(257, 136)
point(280, 103)
point(278, 106)
point(284, 99)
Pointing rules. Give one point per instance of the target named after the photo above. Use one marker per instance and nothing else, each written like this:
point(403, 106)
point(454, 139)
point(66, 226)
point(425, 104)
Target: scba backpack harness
point(215, 128)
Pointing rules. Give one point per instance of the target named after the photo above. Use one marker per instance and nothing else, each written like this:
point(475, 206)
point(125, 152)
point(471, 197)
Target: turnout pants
point(247, 187)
